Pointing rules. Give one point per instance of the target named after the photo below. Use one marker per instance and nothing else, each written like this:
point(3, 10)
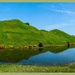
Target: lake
point(47, 56)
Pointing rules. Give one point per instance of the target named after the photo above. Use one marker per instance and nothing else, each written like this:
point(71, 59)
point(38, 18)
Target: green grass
point(14, 32)
point(29, 68)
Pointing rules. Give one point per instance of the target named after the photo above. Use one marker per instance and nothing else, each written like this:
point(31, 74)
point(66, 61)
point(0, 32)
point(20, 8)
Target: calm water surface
point(47, 57)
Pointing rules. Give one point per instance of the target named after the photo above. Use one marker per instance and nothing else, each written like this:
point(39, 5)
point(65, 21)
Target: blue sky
point(43, 15)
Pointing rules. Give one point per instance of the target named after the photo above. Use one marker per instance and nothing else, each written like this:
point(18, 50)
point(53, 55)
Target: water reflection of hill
point(18, 55)
point(48, 58)
point(55, 49)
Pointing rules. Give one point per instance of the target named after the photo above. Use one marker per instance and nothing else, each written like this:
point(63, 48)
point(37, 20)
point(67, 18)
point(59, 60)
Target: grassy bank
point(28, 68)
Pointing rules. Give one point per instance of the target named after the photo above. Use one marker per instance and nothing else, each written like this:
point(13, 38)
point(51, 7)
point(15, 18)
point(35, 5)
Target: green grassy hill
point(14, 32)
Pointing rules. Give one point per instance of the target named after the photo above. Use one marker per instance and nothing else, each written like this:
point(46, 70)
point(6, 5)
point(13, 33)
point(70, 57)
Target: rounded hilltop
point(15, 32)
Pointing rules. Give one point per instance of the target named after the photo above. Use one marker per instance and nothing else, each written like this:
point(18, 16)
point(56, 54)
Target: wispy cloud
point(63, 11)
point(59, 26)
point(60, 8)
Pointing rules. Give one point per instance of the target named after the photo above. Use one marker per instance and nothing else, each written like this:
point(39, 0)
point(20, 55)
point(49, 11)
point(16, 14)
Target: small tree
point(40, 45)
point(27, 23)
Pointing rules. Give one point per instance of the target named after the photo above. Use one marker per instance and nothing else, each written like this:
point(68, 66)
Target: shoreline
point(36, 46)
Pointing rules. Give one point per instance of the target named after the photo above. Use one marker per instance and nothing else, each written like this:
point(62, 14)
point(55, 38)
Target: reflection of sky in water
point(49, 58)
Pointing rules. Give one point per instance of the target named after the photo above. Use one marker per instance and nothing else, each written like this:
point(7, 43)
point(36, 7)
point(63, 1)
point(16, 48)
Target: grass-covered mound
point(14, 32)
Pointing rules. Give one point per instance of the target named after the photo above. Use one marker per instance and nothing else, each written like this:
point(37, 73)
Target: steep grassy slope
point(15, 32)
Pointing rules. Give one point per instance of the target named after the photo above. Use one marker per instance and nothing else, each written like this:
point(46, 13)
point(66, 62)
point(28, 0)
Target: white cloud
point(63, 11)
point(58, 26)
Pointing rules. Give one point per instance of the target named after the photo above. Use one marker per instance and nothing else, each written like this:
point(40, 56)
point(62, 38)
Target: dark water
point(51, 56)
